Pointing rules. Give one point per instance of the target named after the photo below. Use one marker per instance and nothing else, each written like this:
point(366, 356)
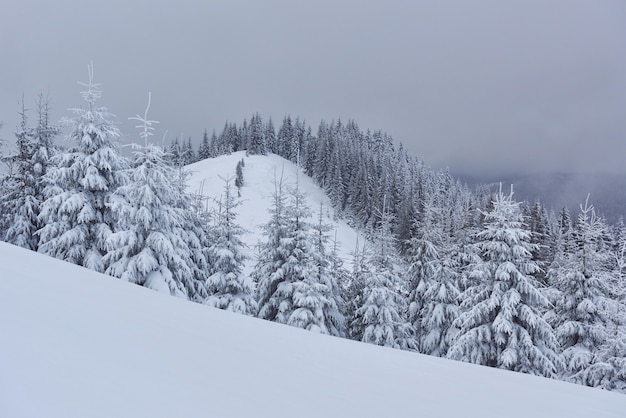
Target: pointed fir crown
point(145, 123)
point(92, 128)
point(93, 91)
point(508, 209)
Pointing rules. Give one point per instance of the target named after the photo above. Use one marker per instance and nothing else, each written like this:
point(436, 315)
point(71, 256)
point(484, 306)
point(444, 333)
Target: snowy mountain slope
point(259, 173)
point(75, 343)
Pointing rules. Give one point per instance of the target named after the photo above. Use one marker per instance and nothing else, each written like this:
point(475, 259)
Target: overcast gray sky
point(479, 86)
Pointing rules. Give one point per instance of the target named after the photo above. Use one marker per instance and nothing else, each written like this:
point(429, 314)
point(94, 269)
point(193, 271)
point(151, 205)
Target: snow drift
point(75, 343)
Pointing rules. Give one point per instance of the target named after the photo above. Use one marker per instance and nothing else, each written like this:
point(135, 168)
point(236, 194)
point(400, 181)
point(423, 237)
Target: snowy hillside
point(259, 173)
point(79, 344)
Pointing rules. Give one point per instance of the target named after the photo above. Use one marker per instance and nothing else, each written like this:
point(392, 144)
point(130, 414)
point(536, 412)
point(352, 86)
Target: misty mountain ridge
point(607, 192)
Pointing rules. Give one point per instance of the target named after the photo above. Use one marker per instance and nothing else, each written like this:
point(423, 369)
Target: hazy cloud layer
point(482, 86)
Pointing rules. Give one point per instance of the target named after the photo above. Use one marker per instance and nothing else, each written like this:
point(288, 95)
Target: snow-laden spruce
point(584, 313)
point(157, 244)
point(268, 271)
point(204, 151)
point(379, 318)
point(501, 323)
point(18, 202)
point(433, 307)
point(291, 289)
point(228, 287)
point(156, 238)
point(329, 271)
point(609, 369)
point(77, 215)
point(257, 140)
point(21, 199)
point(610, 372)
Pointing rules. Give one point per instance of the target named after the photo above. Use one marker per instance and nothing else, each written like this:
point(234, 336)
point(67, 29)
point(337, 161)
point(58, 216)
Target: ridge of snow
point(259, 173)
point(76, 343)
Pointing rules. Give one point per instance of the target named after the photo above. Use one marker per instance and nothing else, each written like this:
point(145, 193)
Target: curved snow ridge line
point(76, 343)
point(259, 172)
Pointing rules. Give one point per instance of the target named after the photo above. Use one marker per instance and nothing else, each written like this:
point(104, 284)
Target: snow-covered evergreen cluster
point(447, 271)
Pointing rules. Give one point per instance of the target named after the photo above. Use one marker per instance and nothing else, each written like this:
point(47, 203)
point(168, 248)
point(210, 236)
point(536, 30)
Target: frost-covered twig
point(146, 124)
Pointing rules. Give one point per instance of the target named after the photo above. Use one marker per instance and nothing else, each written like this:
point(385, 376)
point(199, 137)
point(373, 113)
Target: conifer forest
point(470, 274)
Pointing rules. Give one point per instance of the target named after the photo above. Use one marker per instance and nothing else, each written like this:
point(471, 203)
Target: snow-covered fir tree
point(328, 271)
point(204, 151)
point(423, 254)
point(239, 176)
point(310, 288)
point(157, 244)
point(336, 183)
point(352, 287)
point(227, 140)
point(433, 305)
point(18, 202)
point(583, 309)
point(174, 156)
point(380, 317)
point(609, 368)
point(23, 195)
point(293, 288)
point(540, 229)
point(188, 156)
point(440, 308)
point(268, 271)
point(270, 137)
point(501, 324)
point(77, 215)
point(341, 279)
point(242, 139)
point(45, 148)
point(258, 144)
point(213, 145)
point(288, 141)
point(229, 288)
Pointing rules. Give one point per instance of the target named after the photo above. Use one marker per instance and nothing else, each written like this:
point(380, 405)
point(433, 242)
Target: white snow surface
point(259, 172)
point(76, 343)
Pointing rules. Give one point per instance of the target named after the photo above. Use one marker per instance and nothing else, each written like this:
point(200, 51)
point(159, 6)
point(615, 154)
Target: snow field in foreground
point(75, 343)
